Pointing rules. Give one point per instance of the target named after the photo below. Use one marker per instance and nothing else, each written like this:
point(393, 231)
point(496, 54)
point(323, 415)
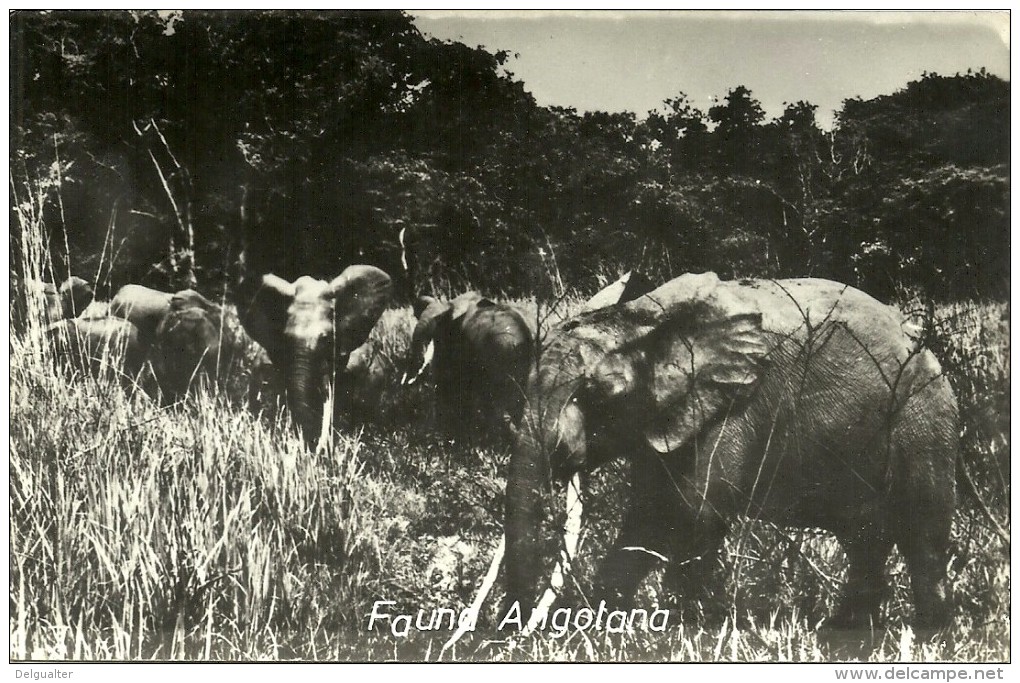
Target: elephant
point(480, 353)
point(191, 342)
point(145, 308)
point(309, 328)
point(804, 402)
point(98, 345)
point(53, 303)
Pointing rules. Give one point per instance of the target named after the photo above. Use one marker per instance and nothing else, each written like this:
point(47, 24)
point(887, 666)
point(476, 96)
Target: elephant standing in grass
point(309, 328)
point(804, 402)
point(480, 352)
point(185, 336)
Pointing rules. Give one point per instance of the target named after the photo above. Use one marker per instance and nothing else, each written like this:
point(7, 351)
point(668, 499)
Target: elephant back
point(143, 307)
point(500, 330)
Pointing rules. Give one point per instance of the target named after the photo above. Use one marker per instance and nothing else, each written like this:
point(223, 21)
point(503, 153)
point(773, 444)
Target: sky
point(633, 61)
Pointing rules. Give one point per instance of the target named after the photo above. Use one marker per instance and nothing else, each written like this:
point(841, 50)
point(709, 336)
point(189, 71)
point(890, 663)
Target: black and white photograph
point(364, 336)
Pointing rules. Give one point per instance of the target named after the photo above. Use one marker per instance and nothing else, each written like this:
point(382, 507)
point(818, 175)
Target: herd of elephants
point(804, 402)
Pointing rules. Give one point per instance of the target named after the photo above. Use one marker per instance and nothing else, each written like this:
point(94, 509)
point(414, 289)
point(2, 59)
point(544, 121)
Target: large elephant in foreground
point(480, 353)
point(804, 402)
point(309, 327)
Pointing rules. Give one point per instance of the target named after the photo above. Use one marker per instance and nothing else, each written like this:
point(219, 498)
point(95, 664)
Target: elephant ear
point(265, 315)
point(466, 302)
point(360, 295)
point(708, 353)
point(421, 303)
point(636, 285)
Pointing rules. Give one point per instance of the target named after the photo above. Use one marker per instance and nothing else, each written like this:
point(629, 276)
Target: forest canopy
point(158, 146)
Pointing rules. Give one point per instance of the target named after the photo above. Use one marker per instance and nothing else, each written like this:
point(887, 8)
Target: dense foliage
point(162, 144)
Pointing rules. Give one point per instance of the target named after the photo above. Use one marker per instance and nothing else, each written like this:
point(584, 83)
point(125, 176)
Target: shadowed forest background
point(315, 138)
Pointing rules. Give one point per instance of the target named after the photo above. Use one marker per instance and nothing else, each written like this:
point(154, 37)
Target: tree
point(792, 148)
point(680, 128)
point(736, 136)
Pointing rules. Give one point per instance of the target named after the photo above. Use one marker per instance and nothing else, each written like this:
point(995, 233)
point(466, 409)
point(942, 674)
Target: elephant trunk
point(301, 392)
point(526, 482)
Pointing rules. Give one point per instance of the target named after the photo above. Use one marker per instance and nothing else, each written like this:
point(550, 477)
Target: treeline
point(158, 146)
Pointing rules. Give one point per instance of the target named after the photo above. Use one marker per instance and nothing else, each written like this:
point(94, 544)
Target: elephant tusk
point(466, 625)
point(571, 539)
point(639, 549)
point(403, 249)
point(326, 435)
point(408, 379)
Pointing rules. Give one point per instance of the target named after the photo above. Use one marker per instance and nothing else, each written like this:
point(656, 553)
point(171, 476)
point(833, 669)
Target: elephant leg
point(653, 520)
point(695, 547)
point(446, 407)
point(925, 547)
point(865, 586)
point(637, 550)
point(490, 408)
point(473, 421)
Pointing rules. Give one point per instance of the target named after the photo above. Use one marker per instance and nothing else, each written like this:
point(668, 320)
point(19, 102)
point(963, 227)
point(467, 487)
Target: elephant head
point(75, 296)
point(309, 327)
point(436, 318)
point(480, 352)
point(190, 343)
point(712, 387)
point(68, 300)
